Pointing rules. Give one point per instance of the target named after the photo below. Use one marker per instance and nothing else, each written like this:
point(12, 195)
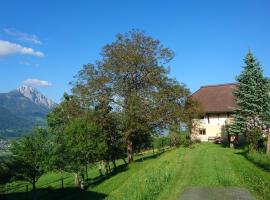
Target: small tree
point(85, 145)
point(193, 110)
point(252, 96)
point(32, 153)
point(174, 135)
point(57, 120)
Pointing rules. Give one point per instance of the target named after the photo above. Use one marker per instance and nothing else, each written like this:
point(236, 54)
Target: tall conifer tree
point(252, 95)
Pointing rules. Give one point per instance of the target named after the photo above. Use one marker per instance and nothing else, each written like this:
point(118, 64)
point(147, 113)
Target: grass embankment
point(167, 175)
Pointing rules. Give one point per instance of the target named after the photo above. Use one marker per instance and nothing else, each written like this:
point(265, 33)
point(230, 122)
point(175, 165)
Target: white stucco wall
point(213, 124)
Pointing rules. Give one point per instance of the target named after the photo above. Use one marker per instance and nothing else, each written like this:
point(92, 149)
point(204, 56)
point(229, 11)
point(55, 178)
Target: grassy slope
point(166, 176)
point(212, 165)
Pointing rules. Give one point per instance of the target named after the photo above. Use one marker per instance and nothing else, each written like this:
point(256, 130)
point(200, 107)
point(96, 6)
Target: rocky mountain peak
point(35, 96)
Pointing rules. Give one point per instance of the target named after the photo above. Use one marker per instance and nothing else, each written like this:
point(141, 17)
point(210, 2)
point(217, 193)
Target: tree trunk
point(130, 151)
point(34, 185)
point(34, 194)
point(268, 144)
point(114, 164)
point(77, 180)
point(232, 140)
point(62, 180)
point(109, 166)
point(86, 172)
point(100, 165)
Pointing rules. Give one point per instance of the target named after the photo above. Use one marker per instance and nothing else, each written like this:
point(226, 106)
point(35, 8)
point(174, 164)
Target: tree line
point(121, 103)
point(116, 106)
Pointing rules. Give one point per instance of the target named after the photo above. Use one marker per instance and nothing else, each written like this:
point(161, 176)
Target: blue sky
point(45, 43)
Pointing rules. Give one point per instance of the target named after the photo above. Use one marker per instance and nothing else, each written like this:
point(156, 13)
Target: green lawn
point(166, 176)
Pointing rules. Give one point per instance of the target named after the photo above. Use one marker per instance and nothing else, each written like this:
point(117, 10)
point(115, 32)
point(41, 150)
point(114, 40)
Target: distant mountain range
point(21, 109)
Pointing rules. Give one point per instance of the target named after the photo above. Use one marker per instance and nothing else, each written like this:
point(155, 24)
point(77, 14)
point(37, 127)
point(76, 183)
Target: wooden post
point(62, 182)
point(232, 139)
point(130, 151)
point(268, 144)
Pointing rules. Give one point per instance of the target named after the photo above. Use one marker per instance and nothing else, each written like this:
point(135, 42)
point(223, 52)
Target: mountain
point(12, 126)
point(36, 97)
point(21, 109)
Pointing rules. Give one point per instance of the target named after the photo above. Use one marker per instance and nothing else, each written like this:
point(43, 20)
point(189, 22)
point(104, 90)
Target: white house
point(218, 104)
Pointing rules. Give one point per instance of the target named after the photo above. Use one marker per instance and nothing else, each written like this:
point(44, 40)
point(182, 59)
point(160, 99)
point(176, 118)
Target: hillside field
point(163, 176)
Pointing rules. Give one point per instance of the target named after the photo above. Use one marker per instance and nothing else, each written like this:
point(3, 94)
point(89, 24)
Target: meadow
point(161, 176)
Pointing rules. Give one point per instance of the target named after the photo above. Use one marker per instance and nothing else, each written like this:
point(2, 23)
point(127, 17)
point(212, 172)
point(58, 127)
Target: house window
point(202, 131)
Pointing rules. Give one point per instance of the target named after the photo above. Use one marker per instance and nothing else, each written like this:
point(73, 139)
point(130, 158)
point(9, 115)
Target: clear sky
point(45, 43)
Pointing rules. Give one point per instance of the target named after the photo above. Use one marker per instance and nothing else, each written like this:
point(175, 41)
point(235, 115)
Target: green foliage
point(58, 119)
point(84, 143)
point(256, 133)
point(174, 135)
point(192, 110)
point(161, 142)
point(12, 126)
point(132, 78)
point(255, 139)
point(108, 123)
point(252, 95)
point(177, 137)
point(7, 169)
point(166, 176)
point(18, 115)
point(32, 153)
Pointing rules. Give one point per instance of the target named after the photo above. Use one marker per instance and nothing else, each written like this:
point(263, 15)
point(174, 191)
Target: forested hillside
point(19, 113)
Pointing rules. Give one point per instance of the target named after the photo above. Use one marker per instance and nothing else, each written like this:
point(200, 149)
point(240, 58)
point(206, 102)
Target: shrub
point(256, 130)
point(161, 142)
point(255, 139)
point(185, 140)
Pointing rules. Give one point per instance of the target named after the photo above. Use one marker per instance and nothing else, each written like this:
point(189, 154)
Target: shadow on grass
point(148, 157)
point(121, 168)
point(97, 180)
point(56, 194)
point(239, 145)
point(259, 163)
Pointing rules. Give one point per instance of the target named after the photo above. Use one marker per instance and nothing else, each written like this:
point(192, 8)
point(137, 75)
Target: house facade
point(218, 104)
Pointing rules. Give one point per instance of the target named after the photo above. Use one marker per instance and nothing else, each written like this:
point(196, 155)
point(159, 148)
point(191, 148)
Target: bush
point(174, 139)
point(255, 139)
point(185, 140)
point(7, 169)
point(161, 142)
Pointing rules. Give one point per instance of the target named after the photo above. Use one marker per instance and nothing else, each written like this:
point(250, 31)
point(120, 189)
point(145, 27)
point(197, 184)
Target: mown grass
point(166, 176)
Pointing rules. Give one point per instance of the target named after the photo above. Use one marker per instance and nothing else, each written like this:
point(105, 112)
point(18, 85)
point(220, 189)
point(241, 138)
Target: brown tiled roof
point(216, 98)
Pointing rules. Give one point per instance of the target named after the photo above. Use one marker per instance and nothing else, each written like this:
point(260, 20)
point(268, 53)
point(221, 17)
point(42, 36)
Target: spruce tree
point(252, 96)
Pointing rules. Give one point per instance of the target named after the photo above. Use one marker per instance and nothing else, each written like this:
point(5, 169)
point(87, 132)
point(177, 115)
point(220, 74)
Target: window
point(202, 131)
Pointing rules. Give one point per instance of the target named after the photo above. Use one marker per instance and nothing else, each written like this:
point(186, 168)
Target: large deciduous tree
point(133, 76)
point(252, 96)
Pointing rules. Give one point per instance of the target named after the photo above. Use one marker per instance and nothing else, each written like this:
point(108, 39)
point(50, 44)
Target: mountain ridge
point(35, 96)
point(22, 109)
